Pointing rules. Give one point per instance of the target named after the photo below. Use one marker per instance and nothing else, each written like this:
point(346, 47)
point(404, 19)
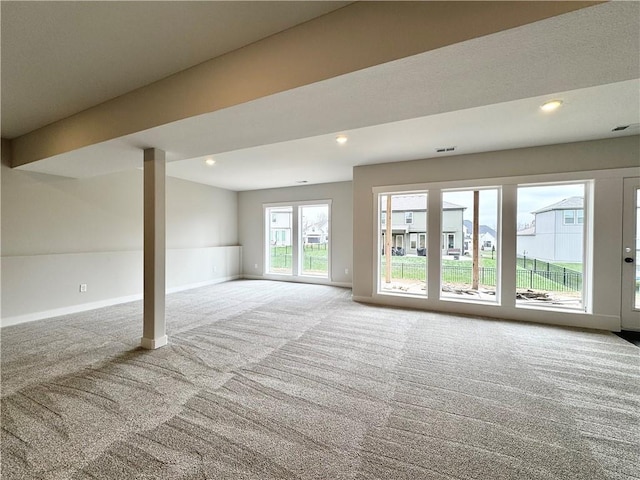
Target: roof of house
point(570, 203)
point(415, 203)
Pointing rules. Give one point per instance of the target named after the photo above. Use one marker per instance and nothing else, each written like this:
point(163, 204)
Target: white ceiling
point(59, 58)
point(479, 95)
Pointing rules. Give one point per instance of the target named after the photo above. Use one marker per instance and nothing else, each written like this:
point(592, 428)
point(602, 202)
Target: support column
point(154, 334)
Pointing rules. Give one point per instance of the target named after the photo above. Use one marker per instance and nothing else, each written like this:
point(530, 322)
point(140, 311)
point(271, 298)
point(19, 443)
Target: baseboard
point(532, 315)
point(83, 307)
point(153, 343)
point(56, 312)
point(299, 280)
point(213, 281)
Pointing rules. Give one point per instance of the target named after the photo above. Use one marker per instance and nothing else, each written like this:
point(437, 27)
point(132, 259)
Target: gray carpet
point(266, 380)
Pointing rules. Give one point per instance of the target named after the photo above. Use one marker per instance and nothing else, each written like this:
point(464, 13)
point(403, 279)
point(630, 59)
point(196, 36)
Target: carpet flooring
point(266, 380)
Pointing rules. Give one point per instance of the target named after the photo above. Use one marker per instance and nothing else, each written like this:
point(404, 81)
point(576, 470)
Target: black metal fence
point(556, 280)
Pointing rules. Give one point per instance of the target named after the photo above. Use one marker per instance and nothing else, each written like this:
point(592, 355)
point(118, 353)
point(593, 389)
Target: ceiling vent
point(445, 149)
point(619, 128)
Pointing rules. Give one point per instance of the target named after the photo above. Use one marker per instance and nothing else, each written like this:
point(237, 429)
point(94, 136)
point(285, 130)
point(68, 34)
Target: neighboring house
point(488, 237)
point(409, 225)
point(280, 228)
point(315, 234)
point(556, 233)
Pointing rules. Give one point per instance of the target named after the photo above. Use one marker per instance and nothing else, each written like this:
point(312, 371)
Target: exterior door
point(631, 256)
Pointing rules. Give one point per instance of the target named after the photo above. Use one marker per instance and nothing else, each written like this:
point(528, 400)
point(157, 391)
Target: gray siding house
point(409, 225)
point(556, 233)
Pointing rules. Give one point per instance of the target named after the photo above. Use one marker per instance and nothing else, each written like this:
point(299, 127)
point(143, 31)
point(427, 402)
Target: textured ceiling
point(479, 95)
point(59, 58)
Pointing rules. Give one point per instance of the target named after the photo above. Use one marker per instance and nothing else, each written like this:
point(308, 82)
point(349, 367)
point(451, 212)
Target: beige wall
point(60, 232)
point(520, 165)
point(251, 224)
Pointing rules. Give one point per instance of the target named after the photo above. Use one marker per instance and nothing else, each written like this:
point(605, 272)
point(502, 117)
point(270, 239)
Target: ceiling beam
point(361, 35)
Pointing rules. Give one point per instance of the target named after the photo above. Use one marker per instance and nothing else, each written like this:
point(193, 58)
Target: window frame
point(297, 241)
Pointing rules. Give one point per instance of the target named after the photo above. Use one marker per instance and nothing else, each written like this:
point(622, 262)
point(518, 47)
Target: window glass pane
point(280, 237)
point(403, 243)
point(550, 245)
point(569, 217)
point(469, 265)
point(314, 225)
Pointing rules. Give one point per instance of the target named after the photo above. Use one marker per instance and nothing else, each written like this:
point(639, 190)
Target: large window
point(470, 249)
point(402, 234)
point(314, 228)
point(550, 261)
point(297, 239)
point(280, 237)
point(514, 245)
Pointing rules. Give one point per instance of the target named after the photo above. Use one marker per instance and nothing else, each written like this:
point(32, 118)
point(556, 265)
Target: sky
point(529, 200)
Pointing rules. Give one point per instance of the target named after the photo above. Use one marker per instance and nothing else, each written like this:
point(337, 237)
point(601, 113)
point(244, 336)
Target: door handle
point(628, 260)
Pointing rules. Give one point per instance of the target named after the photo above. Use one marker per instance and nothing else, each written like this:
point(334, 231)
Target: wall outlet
point(83, 288)
point(346, 271)
point(215, 269)
point(255, 266)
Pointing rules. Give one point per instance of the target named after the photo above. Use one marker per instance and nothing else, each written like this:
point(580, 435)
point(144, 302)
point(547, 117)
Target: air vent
point(445, 149)
point(619, 128)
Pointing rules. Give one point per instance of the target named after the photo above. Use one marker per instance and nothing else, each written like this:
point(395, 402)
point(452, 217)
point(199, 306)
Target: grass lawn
point(314, 261)
point(459, 272)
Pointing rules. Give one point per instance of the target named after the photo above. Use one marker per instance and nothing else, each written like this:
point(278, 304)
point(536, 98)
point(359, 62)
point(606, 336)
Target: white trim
point(530, 180)
point(153, 343)
point(85, 307)
point(476, 310)
point(292, 279)
point(56, 312)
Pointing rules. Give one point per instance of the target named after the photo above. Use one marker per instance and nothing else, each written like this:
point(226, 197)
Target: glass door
point(631, 255)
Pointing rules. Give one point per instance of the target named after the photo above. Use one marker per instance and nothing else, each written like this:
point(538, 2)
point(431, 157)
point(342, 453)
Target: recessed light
point(341, 139)
point(551, 105)
point(210, 161)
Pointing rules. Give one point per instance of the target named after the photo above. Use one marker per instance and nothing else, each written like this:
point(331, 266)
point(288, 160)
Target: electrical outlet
point(346, 271)
point(215, 269)
point(83, 288)
point(255, 266)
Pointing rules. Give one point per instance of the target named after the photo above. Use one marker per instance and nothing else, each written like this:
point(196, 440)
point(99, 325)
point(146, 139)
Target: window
point(280, 248)
point(408, 218)
point(451, 241)
point(402, 270)
point(551, 261)
point(413, 241)
point(569, 217)
point(314, 225)
point(468, 269)
point(298, 240)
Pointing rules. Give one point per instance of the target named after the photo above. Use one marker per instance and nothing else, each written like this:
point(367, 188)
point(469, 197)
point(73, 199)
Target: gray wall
point(60, 232)
point(251, 225)
point(554, 163)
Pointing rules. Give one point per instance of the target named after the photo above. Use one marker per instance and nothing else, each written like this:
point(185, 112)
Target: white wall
point(60, 232)
point(551, 163)
point(251, 225)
